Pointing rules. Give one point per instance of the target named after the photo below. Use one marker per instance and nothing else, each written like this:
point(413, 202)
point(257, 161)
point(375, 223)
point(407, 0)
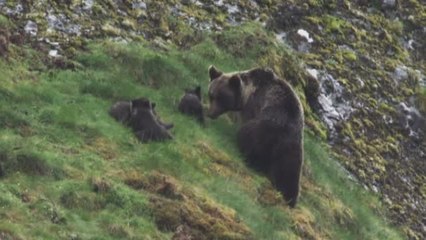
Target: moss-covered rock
point(366, 50)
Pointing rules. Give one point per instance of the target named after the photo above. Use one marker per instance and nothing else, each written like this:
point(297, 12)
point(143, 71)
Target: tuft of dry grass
point(176, 207)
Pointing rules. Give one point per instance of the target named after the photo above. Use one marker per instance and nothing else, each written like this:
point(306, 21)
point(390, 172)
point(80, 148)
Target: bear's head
point(142, 104)
point(196, 91)
point(224, 92)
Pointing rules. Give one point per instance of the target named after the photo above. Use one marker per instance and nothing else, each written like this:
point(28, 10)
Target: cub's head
point(224, 92)
point(196, 91)
point(142, 104)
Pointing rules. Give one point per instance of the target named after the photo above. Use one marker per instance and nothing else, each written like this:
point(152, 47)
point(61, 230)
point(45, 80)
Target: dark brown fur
point(190, 104)
point(122, 110)
point(145, 124)
point(271, 137)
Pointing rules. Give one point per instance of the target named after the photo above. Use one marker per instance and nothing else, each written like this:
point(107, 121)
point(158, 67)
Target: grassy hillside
point(69, 171)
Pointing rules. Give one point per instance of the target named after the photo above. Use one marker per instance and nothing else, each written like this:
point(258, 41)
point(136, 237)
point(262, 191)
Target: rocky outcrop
point(366, 58)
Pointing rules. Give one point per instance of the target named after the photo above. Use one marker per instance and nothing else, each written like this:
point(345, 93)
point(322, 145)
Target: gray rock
point(61, 23)
point(421, 77)
point(411, 119)
point(138, 5)
point(31, 28)
point(16, 11)
point(401, 73)
point(389, 3)
point(334, 108)
point(87, 5)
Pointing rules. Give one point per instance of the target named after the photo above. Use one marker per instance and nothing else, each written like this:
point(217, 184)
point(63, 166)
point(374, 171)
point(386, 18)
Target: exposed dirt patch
point(100, 185)
point(82, 200)
point(5, 235)
point(304, 225)
point(32, 164)
point(223, 165)
point(186, 212)
point(104, 147)
point(4, 42)
point(267, 195)
point(182, 232)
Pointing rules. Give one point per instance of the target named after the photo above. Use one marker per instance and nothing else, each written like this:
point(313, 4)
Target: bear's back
point(121, 111)
point(273, 100)
point(190, 104)
point(142, 119)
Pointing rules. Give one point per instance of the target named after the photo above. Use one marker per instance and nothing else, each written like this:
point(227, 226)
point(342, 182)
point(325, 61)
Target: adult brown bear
point(271, 137)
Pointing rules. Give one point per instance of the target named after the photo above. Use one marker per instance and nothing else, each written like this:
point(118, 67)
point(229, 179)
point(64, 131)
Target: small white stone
point(232, 9)
point(401, 73)
point(198, 3)
point(87, 4)
point(313, 72)
point(139, 5)
point(389, 3)
point(219, 3)
point(361, 83)
point(280, 36)
point(410, 44)
point(53, 53)
point(31, 28)
point(305, 34)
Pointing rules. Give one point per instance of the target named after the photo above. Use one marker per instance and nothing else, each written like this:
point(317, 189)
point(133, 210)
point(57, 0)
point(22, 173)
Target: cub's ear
point(214, 73)
point(141, 103)
point(235, 82)
point(152, 105)
point(197, 91)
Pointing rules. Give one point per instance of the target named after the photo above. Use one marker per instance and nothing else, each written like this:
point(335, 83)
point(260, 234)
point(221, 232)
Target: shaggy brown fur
point(145, 124)
point(271, 137)
point(122, 110)
point(190, 104)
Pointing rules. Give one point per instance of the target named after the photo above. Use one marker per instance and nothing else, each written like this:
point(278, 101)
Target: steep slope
point(70, 171)
point(358, 67)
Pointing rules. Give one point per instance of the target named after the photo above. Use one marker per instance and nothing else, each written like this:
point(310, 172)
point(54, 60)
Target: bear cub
point(121, 111)
point(190, 104)
point(145, 124)
point(140, 116)
point(271, 135)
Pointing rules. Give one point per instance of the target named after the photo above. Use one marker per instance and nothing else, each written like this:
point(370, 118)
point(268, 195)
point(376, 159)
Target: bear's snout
point(212, 115)
point(213, 112)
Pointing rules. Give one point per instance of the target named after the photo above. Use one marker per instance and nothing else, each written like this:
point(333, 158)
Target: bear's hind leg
point(285, 171)
point(255, 142)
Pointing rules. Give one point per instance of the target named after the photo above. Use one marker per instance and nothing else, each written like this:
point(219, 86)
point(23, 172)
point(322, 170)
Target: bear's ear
point(153, 105)
point(262, 73)
point(235, 82)
point(214, 73)
point(197, 91)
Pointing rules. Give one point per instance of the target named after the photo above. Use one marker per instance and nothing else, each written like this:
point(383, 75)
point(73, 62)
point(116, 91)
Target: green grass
point(58, 147)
